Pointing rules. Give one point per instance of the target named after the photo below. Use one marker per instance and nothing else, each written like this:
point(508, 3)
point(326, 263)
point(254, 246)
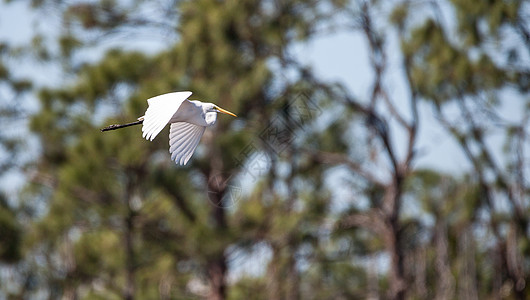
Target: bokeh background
point(381, 150)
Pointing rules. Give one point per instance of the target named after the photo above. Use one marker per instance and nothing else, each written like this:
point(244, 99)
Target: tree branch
point(342, 159)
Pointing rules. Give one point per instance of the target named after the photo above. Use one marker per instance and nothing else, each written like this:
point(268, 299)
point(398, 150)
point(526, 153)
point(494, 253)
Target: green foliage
point(249, 288)
point(442, 72)
point(10, 234)
point(495, 14)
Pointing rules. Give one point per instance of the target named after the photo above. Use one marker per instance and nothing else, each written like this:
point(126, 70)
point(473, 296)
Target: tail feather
point(118, 126)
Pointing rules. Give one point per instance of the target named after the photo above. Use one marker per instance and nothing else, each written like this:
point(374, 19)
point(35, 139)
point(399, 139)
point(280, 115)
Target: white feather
point(183, 139)
point(161, 109)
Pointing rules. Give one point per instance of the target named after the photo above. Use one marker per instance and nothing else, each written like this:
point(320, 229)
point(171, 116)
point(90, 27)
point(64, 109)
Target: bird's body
point(188, 121)
point(192, 111)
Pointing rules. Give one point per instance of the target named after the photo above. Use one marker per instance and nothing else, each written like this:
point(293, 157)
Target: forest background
point(381, 150)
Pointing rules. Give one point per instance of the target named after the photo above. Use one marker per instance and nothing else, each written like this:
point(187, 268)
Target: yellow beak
point(224, 111)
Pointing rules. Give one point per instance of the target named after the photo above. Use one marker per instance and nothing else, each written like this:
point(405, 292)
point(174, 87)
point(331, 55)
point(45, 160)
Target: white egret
point(188, 119)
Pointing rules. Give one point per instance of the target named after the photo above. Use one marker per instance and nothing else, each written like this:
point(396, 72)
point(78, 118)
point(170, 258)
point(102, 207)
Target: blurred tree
point(452, 67)
point(322, 181)
point(14, 90)
point(124, 221)
point(459, 66)
point(11, 234)
point(13, 110)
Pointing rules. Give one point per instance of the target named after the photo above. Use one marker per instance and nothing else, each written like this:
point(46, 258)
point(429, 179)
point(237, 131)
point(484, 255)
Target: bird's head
point(211, 110)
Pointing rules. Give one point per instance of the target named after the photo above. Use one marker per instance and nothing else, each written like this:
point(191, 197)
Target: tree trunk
point(273, 270)
point(397, 278)
point(129, 290)
point(445, 280)
point(129, 252)
point(467, 282)
point(392, 208)
point(293, 278)
point(216, 267)
point(216, 270)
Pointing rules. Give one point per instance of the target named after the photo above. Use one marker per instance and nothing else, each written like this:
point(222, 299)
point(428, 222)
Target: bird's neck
point(210, 118)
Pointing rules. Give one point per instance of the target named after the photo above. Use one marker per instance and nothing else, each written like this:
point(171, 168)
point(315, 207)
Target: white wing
point(183, 139)
point(161, 109)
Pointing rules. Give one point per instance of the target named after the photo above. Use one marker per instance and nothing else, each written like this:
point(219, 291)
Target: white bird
point(188, 121)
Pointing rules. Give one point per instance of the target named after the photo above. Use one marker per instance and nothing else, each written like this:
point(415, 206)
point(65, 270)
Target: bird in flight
point(188, 119)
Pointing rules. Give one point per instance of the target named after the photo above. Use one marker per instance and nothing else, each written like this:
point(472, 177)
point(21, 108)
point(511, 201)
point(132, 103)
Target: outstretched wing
point(161, 109)
point(183, 139)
